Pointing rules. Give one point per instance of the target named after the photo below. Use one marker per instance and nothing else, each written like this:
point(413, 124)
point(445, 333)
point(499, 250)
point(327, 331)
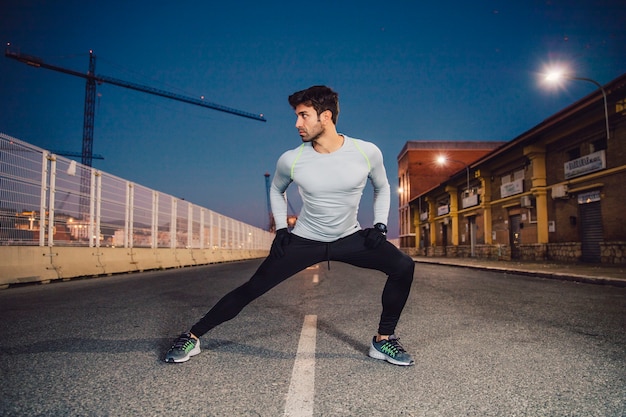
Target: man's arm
point(382, 190)
point(278, 197)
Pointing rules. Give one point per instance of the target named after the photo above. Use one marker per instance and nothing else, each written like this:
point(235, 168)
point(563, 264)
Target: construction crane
point(87, 155)
point(90, 96)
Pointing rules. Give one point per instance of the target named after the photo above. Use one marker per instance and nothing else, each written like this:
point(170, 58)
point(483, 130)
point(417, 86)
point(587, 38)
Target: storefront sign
point(441, 210)
point(586, 164)
point(512, 188)
point(470, 201)
point(589, 197)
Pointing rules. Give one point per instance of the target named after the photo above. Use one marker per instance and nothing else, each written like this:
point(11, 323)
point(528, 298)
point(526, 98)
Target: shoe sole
point(193, 352)
point(375, 354)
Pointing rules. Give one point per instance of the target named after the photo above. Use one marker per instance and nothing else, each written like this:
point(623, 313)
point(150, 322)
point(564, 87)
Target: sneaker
point(391, 351)
point(183, 348)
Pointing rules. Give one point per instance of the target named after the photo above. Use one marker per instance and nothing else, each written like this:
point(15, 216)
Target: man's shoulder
point(293, 153)
point(363, 145)
point(288, 157)
point(359, 141)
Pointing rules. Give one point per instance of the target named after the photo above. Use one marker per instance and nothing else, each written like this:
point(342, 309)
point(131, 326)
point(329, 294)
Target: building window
point(573, 154)
point(597, 145)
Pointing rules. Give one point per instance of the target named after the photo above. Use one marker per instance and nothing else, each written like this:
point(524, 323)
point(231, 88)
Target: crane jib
point(39, 63)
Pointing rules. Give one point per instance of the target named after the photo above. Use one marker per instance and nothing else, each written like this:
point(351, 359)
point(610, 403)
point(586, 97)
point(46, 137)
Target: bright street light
point(441, 160)
point(555, 76)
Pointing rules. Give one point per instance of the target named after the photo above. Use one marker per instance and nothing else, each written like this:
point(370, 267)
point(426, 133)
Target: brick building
point(554, 192)
point(419, 170)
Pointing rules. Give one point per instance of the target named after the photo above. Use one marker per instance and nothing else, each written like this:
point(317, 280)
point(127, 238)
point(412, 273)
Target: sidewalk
point(580, 272)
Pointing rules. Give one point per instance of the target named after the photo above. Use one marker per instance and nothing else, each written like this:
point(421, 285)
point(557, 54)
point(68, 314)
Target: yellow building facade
point(556, 192)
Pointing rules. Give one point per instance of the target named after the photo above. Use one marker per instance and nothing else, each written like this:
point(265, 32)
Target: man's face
point(308, 123)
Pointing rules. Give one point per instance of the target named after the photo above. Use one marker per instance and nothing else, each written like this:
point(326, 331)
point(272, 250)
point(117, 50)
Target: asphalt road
point(485, 344)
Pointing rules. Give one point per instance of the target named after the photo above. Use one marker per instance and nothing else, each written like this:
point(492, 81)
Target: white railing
point(49, 200)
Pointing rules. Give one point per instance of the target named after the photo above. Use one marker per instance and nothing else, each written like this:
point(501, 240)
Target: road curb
point(587, 279)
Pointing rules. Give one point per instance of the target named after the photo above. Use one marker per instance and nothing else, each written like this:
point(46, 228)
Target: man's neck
point(328, 143)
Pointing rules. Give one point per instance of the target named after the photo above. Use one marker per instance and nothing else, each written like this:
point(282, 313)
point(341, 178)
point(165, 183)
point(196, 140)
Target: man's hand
point(374, 236)
point(280, 241)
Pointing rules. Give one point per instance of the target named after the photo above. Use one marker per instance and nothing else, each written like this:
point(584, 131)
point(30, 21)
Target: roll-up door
point(591, 229)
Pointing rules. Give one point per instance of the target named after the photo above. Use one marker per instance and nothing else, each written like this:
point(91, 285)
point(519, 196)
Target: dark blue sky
point(405, 70)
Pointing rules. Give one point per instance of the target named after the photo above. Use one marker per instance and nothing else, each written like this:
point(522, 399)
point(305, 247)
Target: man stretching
point(331, 171)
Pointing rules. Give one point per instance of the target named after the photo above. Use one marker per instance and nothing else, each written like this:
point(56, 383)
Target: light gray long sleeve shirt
point(331, 186)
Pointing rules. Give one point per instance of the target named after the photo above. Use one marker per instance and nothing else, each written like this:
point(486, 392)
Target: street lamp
point(555, 76)
point(441, 160)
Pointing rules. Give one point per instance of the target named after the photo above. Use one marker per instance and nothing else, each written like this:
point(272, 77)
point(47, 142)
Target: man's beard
point(316, 137)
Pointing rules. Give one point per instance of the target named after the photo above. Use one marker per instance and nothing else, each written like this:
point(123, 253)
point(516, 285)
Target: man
point(331, 171)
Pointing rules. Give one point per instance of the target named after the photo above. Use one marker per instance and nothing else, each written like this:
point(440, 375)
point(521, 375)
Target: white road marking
point(316, 278)
point(302, 386)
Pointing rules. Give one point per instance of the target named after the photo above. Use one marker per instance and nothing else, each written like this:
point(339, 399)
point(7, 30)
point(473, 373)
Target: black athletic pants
point(301, 253)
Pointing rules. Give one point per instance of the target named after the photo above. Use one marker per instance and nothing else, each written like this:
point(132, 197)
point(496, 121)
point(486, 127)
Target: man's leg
point(299, 254)
point(386, 258)
point(272, 272)
point(399, 268)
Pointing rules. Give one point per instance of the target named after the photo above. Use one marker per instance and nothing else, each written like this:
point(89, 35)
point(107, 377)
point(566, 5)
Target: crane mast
point(272, 225)
point(90, 113)
point(291, 218)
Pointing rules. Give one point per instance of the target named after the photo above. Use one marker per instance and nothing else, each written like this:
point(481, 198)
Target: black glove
point(280, 241)
point(374, 236)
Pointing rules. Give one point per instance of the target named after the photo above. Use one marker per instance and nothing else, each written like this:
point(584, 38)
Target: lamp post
point(442, 161)
point(555, 76)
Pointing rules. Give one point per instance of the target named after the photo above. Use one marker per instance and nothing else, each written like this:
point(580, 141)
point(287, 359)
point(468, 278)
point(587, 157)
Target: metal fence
point(49, 200)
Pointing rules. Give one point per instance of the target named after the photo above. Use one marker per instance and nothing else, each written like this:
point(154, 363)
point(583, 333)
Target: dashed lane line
point(302, 386)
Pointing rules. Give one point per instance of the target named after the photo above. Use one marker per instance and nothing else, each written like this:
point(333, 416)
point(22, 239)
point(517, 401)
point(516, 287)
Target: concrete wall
point(26, 264)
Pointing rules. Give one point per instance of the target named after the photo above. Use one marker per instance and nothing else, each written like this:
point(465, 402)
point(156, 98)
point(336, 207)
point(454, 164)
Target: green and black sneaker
point(183, 348)
point(391, 351)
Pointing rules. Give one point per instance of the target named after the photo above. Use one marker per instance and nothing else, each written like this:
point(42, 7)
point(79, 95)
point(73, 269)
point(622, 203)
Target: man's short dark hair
point(320, 97)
